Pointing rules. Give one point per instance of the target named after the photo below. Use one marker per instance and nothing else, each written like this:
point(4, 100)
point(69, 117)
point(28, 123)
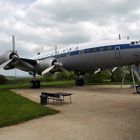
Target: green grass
point(13, 86)
point(43, 84)
point(16, 109)
point(58, 83)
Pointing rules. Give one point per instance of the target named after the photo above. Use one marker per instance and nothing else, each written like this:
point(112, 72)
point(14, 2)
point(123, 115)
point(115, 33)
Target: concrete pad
point(96, 113)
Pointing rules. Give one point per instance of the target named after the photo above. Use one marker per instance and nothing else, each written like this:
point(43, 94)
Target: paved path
point(95, 114)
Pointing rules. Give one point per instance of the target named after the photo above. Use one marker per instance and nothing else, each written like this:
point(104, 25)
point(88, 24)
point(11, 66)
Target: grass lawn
point(43, 84)
point(58, 83)
point(15, 109)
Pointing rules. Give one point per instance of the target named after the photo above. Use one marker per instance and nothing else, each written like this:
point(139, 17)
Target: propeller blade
point(97, 71)
point(114, 69)
point(13, 42)
point(4, 64)
point(48, 70)
point(5, 57)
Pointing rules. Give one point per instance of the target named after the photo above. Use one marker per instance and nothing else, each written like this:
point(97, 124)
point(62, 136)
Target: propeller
point(47, 70)
point(56, 65)
point(14, 54)
point(13, 42)
point(6, 57)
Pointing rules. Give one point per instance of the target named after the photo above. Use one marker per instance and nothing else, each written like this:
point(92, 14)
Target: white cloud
point(40, 24)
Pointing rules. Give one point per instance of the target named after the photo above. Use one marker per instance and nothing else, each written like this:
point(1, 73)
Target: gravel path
point(96, 113)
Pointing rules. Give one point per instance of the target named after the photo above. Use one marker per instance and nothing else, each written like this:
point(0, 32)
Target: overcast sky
point(38, 25)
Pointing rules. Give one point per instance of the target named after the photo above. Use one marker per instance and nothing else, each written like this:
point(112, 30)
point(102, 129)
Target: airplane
point(80, 58)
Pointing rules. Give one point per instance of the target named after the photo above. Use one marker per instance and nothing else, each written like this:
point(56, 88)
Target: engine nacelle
point(45, 63)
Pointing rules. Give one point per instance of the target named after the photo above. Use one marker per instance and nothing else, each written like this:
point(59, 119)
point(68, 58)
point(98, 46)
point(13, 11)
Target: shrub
point(99, 77)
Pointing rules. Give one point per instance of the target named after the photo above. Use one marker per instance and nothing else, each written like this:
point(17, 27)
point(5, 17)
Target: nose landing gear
point(35, 84)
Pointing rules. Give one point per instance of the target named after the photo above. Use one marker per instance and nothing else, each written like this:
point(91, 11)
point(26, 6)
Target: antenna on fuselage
point(119, 37)
point(128, 38)
point(55, 50)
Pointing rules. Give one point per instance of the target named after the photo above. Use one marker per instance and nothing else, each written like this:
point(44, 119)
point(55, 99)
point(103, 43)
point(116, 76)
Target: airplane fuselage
point(87, 57)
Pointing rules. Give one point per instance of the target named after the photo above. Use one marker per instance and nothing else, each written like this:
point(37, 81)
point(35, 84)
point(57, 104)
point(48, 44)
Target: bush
point(99, 77)
point(117, 75)
point(3, 79)
point(62, 76)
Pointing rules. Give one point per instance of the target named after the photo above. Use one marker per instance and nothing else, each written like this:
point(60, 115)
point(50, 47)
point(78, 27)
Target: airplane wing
point(29, 65)
point(21, 63)
point(42, 67)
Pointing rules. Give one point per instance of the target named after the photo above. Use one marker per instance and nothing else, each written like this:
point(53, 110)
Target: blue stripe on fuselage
point(97, 49)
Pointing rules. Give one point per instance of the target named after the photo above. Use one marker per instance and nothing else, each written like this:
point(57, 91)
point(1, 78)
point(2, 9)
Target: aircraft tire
point(35, 84)
point(32, 84)
point(138, 89)
point(79, 82)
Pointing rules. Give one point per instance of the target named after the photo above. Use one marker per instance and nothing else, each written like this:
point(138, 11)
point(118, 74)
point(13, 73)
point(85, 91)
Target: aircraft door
point(117, 52)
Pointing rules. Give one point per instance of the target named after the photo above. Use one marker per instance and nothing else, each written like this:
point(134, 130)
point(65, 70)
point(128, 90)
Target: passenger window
point(101, 49)
point(109, 48)
point(133, 43)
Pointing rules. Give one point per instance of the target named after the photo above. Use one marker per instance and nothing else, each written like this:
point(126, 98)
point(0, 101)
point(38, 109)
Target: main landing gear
point(79, 79)
point(138, 89)
point(34, 83)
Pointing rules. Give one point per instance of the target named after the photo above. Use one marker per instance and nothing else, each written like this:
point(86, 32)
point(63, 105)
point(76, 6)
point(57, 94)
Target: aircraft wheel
point(138, 89)
point(79, 82)
point(37, 84)
point(34, 84)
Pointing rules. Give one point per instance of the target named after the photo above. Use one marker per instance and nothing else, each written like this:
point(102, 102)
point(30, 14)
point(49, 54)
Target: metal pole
point(123, 77)
point(133, 78)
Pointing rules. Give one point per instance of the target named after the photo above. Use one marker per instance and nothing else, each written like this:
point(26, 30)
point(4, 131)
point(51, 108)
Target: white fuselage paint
point(89, 56)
